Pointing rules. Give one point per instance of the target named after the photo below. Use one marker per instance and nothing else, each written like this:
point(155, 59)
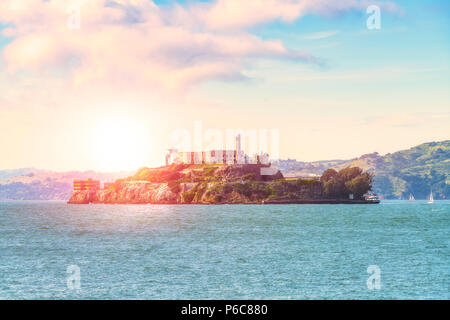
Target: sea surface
point(51, 250)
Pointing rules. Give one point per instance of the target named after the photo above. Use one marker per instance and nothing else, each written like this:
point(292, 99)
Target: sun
point(119, 144)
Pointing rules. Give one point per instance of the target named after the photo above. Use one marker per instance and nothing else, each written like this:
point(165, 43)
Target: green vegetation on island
point(346, 182)
point(217, 184)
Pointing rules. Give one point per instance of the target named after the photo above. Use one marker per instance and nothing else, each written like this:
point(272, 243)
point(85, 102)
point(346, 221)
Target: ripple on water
point(233, 251)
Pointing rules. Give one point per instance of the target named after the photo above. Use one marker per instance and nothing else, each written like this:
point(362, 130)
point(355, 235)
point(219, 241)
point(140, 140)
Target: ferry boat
point(372, 197)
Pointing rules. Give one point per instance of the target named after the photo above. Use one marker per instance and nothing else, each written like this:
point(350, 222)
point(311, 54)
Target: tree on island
point(345, 182)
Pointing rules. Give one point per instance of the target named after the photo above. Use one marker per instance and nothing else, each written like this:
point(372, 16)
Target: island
point(227, 184)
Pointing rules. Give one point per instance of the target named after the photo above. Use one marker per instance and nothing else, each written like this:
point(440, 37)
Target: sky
point(109, 85)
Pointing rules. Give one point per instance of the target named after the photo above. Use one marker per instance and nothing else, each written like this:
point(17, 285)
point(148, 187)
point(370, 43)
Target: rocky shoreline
point(161, 193)
point(226, 184)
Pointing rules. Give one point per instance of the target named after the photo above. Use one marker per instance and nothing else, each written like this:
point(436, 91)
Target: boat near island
point(431, 200)
point(372, 198)
point(411, 197)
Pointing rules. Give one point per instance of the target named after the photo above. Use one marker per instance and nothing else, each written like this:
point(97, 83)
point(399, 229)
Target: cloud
point(406, 119)
point(137, 43)
point(237, 14)
point(320, 35)
point(396, 120)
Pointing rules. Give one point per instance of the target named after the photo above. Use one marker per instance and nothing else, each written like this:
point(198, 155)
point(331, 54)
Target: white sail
point(431, 198)
point(411, 197)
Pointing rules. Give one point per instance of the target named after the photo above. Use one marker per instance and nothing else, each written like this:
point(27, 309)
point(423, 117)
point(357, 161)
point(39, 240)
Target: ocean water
point(225, 251)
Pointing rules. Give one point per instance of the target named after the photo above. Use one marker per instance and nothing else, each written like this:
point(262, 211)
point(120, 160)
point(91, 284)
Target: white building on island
point(236, 156)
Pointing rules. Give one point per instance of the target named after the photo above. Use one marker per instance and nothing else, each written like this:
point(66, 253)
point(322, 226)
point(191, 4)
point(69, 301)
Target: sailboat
point(411, 197)
point(431, 198)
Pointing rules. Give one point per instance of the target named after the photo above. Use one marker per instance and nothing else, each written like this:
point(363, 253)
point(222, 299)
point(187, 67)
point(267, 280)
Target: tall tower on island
point(238, 144)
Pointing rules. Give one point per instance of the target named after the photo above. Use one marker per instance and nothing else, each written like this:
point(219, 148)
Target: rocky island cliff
point(228, 184)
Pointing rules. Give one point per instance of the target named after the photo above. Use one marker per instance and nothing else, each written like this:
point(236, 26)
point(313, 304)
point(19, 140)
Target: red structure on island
point(86, 185)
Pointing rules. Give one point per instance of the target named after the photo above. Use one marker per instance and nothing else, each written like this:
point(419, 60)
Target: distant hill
point(4, 174)
point(34, 184)
point(417, 170)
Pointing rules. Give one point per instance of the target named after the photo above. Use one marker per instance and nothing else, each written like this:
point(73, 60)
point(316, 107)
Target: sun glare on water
point(120, 144)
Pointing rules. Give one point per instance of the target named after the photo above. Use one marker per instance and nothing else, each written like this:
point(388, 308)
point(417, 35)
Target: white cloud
point(320, 35)
point(137, 43)
point(406, 119)
point(237, 14)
